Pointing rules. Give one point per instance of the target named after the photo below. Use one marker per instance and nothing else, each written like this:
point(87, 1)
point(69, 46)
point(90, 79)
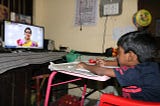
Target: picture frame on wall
point(21, 18)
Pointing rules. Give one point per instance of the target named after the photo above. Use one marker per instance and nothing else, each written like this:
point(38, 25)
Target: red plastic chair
point(112, 100)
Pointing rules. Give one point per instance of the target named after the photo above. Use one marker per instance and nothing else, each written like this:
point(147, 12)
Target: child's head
point(141, 43)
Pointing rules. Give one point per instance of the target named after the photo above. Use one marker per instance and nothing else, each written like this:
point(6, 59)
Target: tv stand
point(3, 50)
point(39, 50)
point(28, 50)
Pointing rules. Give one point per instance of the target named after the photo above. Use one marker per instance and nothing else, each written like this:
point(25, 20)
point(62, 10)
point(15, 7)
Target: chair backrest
point(112, 100)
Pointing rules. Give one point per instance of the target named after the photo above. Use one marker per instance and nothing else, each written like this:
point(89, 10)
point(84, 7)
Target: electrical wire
point(104, 34)
point(80, 15)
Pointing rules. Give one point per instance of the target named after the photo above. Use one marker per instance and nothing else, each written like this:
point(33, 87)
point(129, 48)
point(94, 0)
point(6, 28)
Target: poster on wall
point(20, 18)
point(86, 12)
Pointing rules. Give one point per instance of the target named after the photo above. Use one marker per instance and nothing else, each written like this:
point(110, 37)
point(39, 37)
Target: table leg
point(49, 85)
point(83, 95)
point(49, 88)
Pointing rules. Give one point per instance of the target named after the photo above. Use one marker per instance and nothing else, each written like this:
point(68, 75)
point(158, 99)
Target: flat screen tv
point(24, 36)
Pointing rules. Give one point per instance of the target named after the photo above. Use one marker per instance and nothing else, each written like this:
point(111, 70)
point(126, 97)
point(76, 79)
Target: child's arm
point(102, 62)
point(97, 69)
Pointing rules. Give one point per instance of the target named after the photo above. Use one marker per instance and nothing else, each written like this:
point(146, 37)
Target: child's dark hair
point(141, 43)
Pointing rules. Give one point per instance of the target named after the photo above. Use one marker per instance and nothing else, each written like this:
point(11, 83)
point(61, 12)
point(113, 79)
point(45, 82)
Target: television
point(22, 36)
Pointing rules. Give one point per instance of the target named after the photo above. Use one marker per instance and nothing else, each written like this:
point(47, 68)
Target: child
point(138, 75)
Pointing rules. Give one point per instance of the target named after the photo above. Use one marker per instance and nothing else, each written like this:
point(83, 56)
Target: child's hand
point(100, 62)
point(81, 65)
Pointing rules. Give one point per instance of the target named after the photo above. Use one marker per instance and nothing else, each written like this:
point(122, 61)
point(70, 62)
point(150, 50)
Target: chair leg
point(39, 85)
point(38, 92)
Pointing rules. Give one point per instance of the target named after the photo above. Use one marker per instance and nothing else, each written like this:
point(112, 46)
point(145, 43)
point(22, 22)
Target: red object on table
point(92, 61)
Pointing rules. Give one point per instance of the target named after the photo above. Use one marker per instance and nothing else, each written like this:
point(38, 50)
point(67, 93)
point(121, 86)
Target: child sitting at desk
point(138, 74)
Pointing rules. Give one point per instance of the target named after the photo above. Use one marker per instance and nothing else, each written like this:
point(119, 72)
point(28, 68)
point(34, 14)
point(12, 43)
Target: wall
point(58, 18)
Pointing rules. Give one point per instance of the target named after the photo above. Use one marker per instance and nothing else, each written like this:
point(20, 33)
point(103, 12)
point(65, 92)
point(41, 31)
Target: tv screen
point(24, 36)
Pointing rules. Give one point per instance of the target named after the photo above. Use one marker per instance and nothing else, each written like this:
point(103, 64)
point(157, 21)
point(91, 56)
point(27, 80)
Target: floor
point(93, 99)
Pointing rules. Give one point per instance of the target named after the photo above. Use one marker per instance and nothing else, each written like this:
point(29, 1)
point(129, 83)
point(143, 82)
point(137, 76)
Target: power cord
point(104, 34)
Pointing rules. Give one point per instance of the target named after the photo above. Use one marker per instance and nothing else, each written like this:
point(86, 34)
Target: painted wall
point(58, 18)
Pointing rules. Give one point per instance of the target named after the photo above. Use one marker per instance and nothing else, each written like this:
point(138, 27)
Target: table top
point(70, 69)
point(14, 60)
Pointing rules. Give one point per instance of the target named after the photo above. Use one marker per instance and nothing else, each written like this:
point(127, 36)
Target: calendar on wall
point(86, 12)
